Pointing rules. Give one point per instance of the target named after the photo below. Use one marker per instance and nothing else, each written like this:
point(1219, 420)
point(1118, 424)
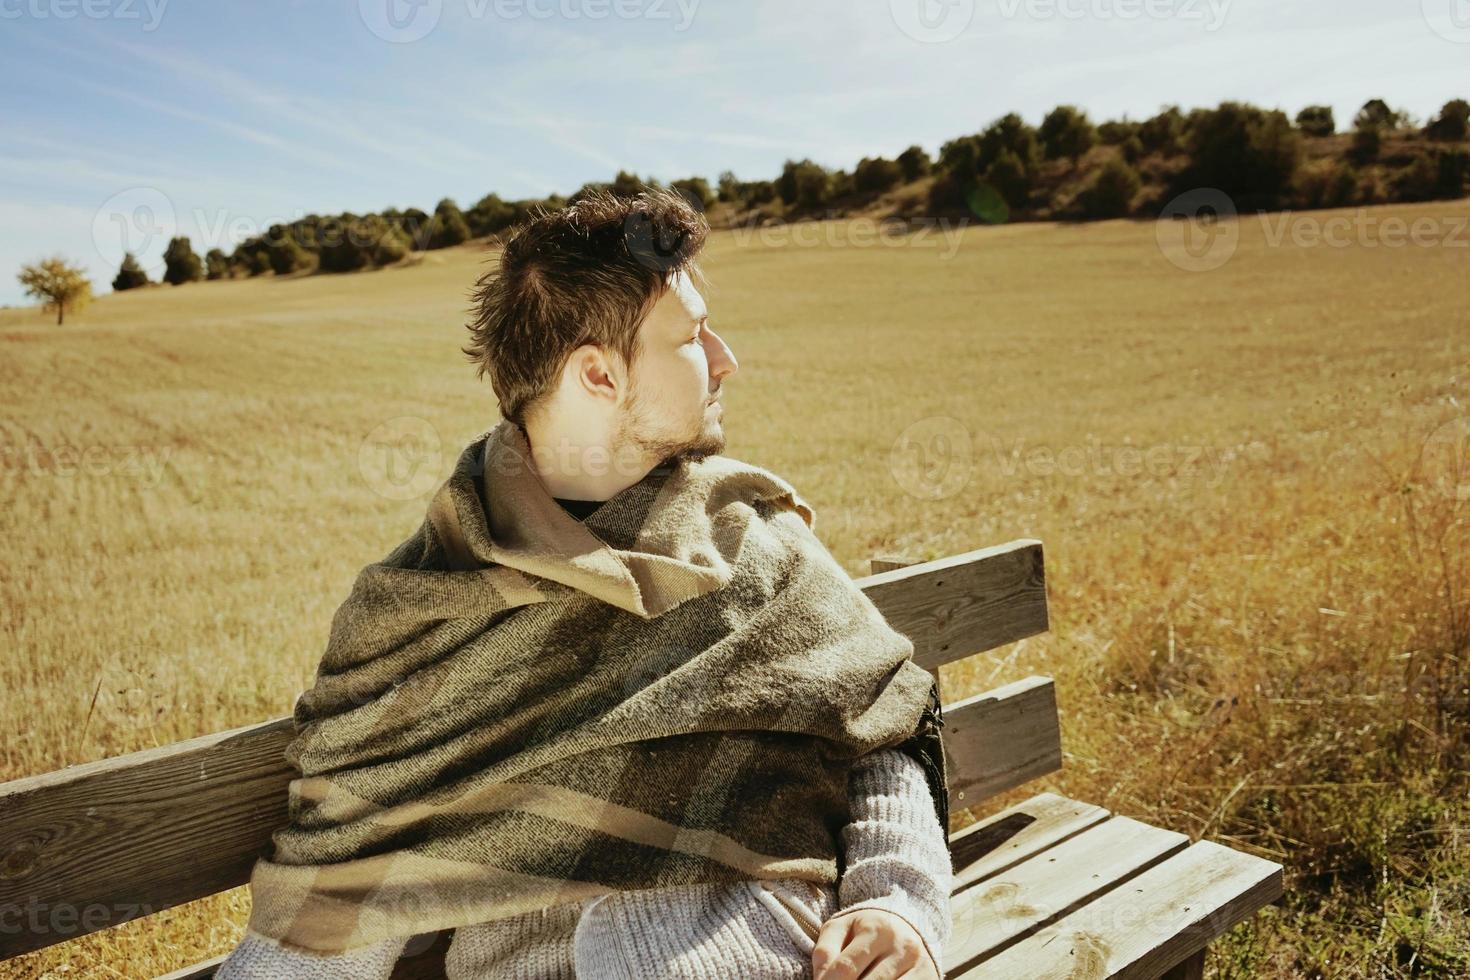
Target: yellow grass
point(1235, 625)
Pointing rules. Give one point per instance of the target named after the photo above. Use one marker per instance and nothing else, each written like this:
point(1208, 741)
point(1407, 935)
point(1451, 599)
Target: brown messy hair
point(585, 273)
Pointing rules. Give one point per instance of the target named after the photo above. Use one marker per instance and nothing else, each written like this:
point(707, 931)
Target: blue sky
point(215, 119)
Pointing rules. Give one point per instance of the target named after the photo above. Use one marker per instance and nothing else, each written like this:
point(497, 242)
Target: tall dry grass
point(1259, 623)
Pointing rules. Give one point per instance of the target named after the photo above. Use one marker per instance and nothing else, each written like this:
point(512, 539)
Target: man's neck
point(572, 470)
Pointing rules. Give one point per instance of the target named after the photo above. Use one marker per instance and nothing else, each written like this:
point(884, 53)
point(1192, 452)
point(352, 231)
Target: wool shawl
point(516, 709)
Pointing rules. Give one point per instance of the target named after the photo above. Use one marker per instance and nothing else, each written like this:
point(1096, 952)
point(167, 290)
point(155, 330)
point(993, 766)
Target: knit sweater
point(897, 860)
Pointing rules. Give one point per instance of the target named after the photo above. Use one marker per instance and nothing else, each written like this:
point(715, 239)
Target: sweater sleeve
point(260, 958)
point(897, 851)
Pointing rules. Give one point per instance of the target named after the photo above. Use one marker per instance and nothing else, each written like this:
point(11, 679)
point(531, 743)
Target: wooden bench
point(1050, 887)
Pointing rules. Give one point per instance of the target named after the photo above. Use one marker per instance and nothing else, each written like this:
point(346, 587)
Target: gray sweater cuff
point(897, 853)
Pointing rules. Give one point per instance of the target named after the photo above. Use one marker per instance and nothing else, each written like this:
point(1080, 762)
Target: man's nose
point(722, 362)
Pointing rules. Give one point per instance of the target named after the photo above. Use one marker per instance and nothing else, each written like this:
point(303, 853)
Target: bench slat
point(1002, 841)
point(1149, 925)
point(1000, 739)
point(955, 607)
point(997, 912)
point(95, 845)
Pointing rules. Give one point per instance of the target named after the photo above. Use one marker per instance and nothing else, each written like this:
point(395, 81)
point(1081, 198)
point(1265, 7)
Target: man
point(545, 807)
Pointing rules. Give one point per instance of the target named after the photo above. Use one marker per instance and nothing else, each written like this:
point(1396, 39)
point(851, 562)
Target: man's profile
point(612, 711)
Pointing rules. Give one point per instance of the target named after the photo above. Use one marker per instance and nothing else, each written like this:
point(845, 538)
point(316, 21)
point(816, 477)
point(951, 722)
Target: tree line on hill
point(1067, 168)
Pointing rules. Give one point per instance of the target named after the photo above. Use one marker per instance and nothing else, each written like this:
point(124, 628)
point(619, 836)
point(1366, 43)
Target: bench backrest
point(94, 845)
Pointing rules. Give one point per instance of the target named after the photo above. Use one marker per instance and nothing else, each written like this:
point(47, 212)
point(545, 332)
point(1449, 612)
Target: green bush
point(1161, 133)
point(1111, 192)
point(448, 226)
point(1453, 122)
point(180, 264)
point(1132, 149)
point(1066, 132)
point(804, 184)
point(130, 275)
point(1249, 153)
point(1316, 120)
point(1010, 134)
point(875, 175)
point(914, 163)
point(489, 215)
point(1115, 131)
point(216, 264)
point(1008, 175)
point(1331, 186)
point(1367, 144)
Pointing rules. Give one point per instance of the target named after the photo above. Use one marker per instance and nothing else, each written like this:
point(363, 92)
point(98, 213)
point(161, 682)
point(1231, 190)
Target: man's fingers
point(852, 952)
point(829, 943)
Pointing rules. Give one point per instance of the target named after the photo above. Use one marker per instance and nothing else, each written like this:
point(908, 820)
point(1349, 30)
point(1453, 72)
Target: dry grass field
point(1258, 566)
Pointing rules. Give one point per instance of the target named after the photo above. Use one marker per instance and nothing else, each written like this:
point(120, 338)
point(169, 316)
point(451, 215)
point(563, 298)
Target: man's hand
point(854, 941)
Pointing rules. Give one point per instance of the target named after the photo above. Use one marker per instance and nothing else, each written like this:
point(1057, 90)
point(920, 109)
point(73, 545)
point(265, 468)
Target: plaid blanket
point(516, 709)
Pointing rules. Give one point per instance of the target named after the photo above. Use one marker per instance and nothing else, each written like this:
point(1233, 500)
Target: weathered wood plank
point(952, 608)
point(1147, 926)
point(95, 845)
point(1000, 739)
point(1002, 841)
point(1001, 910)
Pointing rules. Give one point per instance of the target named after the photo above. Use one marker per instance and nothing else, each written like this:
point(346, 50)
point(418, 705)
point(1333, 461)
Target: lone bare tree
point(58, 285)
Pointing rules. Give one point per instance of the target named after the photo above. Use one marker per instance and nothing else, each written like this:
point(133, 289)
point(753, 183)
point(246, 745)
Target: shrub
point(130, 275)
point(875, 175)
point(804, 184)
point(914, 163)
point(1367, 144)
point(1453, 123)
point(1114, 132)
point(180, 264)
point(1161, 133)
point(1249, 153)
point(1132, 149)
point(216, 265)
point(448, 226)
point(1066, 132)
point(1376, 114)
point(1316, 120)
point(1010, 134)
point(1008, 175)
point(1111, 193)
point(1327, 186)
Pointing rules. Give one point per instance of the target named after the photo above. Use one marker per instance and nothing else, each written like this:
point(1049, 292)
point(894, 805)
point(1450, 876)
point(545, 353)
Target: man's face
point(670, 410)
